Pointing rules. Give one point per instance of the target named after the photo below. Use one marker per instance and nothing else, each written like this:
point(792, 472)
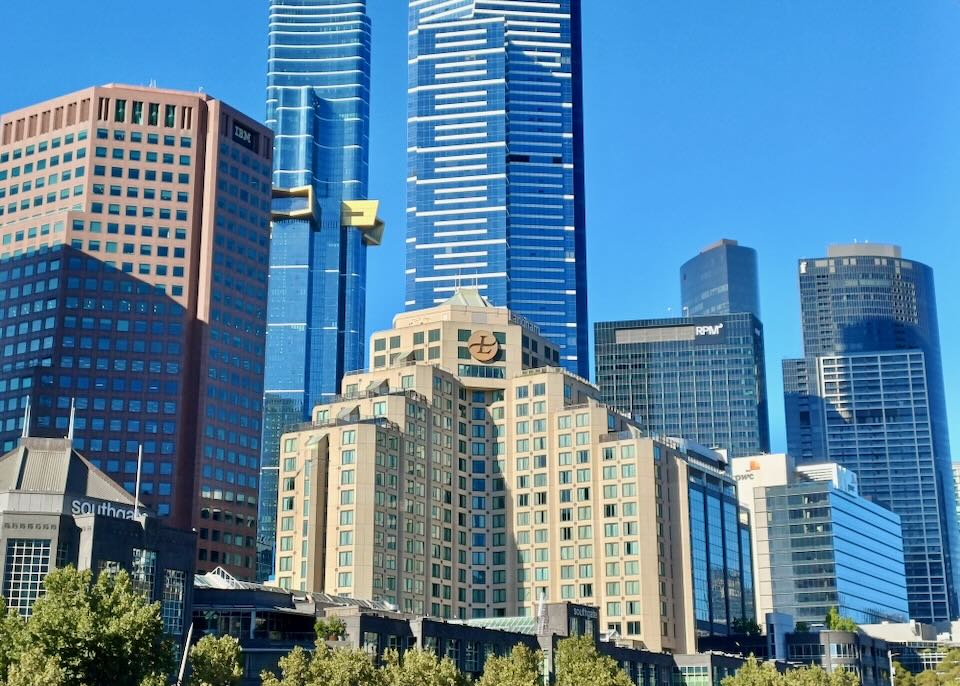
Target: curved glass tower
point(495, 183)
point(318, 105)
point(869, 395)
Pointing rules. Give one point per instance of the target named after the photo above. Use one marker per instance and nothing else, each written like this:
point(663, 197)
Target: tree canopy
point(215, 662)
point(834, 621)
point(755, 673)
point(522, 667)
point(578, 663)
point(81, 632)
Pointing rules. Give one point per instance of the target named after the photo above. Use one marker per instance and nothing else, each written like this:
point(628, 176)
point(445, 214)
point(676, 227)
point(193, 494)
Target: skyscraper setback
point(869, 395)
point(318, 105)
point(133, 275)
point(495, 136)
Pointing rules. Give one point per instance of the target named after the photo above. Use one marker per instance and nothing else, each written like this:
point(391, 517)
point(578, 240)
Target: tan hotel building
point(463, 476)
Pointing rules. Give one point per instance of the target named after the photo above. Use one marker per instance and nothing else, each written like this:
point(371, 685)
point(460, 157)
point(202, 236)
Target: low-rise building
point(818, 544)
point(57, 509)
point(853, 651)
point(269, 622)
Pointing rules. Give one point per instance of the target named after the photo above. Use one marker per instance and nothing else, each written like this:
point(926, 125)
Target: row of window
point(42, 146)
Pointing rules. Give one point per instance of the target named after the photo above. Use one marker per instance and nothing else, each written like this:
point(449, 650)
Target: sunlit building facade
point(495, 193)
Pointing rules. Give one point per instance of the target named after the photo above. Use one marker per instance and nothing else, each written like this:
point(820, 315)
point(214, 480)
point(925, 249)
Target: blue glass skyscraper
point(318, 105)
point(495, 181)
point(869, 395)
point(722, 279)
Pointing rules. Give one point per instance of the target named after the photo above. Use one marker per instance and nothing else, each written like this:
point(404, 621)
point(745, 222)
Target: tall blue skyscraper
point(318, 105)
point(722, 279)
point(495, 181)
point(869, 395)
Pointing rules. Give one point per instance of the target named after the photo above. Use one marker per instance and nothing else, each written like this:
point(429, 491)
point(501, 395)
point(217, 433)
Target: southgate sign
point(82, 506)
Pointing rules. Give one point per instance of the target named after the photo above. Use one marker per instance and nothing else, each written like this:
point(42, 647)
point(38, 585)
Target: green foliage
point(802, 628)
point(11, 632)
point(754, 673)
point(949, 668)
point(834, 621)
point(522, 667)
point(215, 662)
point(33, 668)
point(85, 633)
point(325, 667)
point(330, 628)
point(342, 667)
point(579, 664)
point(927, 677)
point(902, 677)
point(419, 668)
point(744, 625)
point(294, 670)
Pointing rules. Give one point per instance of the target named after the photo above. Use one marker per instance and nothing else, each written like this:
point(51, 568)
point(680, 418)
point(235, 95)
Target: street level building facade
point(318, 105)
point(869, 395)
point(818, 544)
point(57, 509)
point(722, 279)
point(462, 477)
point(134, 227)
point(702, 378)
point(495, 193)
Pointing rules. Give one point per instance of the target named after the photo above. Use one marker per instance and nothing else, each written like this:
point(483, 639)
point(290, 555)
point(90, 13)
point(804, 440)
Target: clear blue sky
point(785, 124)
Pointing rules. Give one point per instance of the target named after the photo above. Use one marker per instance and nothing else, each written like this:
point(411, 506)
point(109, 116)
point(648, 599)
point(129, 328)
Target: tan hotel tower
point(464, 476)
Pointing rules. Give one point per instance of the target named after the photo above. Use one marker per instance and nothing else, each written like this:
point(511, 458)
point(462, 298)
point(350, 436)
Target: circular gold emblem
point(483, 346)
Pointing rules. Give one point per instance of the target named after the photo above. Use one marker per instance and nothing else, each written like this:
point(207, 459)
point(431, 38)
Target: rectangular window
point(27, 564)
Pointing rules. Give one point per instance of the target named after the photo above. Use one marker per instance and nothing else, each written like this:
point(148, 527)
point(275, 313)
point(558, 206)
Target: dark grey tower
point(722, 279)
point(869, 395)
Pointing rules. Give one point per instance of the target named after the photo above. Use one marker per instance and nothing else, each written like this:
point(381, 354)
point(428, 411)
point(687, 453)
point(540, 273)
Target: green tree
point(342, 667)
point(330, 628)
point(419, 668)
point(949, 668)
point(215, 662)
point(294, 670)
point(901, 676)
point(522, 667)
point(755, 673)
point(33, 668)
point(578, 663)
point(801, 628)
point(99, 633)
point(816, 676)
point(837, 622)
point(927, 677)
point(11, 632)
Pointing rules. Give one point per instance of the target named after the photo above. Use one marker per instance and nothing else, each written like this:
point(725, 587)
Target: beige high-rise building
point(462, 476)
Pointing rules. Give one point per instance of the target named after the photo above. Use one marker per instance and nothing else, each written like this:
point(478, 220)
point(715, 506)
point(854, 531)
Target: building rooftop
point(864, 250)
point(51, 465)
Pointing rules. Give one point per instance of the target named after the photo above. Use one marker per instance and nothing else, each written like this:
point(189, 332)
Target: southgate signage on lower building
point(82, 506)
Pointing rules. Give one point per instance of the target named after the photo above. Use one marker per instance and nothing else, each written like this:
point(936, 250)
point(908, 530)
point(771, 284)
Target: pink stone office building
point(134, 240)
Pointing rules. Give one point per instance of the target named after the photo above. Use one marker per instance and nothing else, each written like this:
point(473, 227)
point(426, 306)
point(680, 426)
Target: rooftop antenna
point(26, 420)
point(73, 416)
point(153, 83)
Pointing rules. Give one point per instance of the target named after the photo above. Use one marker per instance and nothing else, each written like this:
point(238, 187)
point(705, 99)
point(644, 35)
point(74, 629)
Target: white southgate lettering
point(86, 507)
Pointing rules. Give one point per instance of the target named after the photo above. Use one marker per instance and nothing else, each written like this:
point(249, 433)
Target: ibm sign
point(245, 137)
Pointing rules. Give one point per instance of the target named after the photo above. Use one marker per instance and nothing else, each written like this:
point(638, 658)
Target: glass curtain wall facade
point(869, 395)
point(702, 378)
point(495, 136)
point(720, 280)
point(826, 548)
point(318, 105)
point(720, 548)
